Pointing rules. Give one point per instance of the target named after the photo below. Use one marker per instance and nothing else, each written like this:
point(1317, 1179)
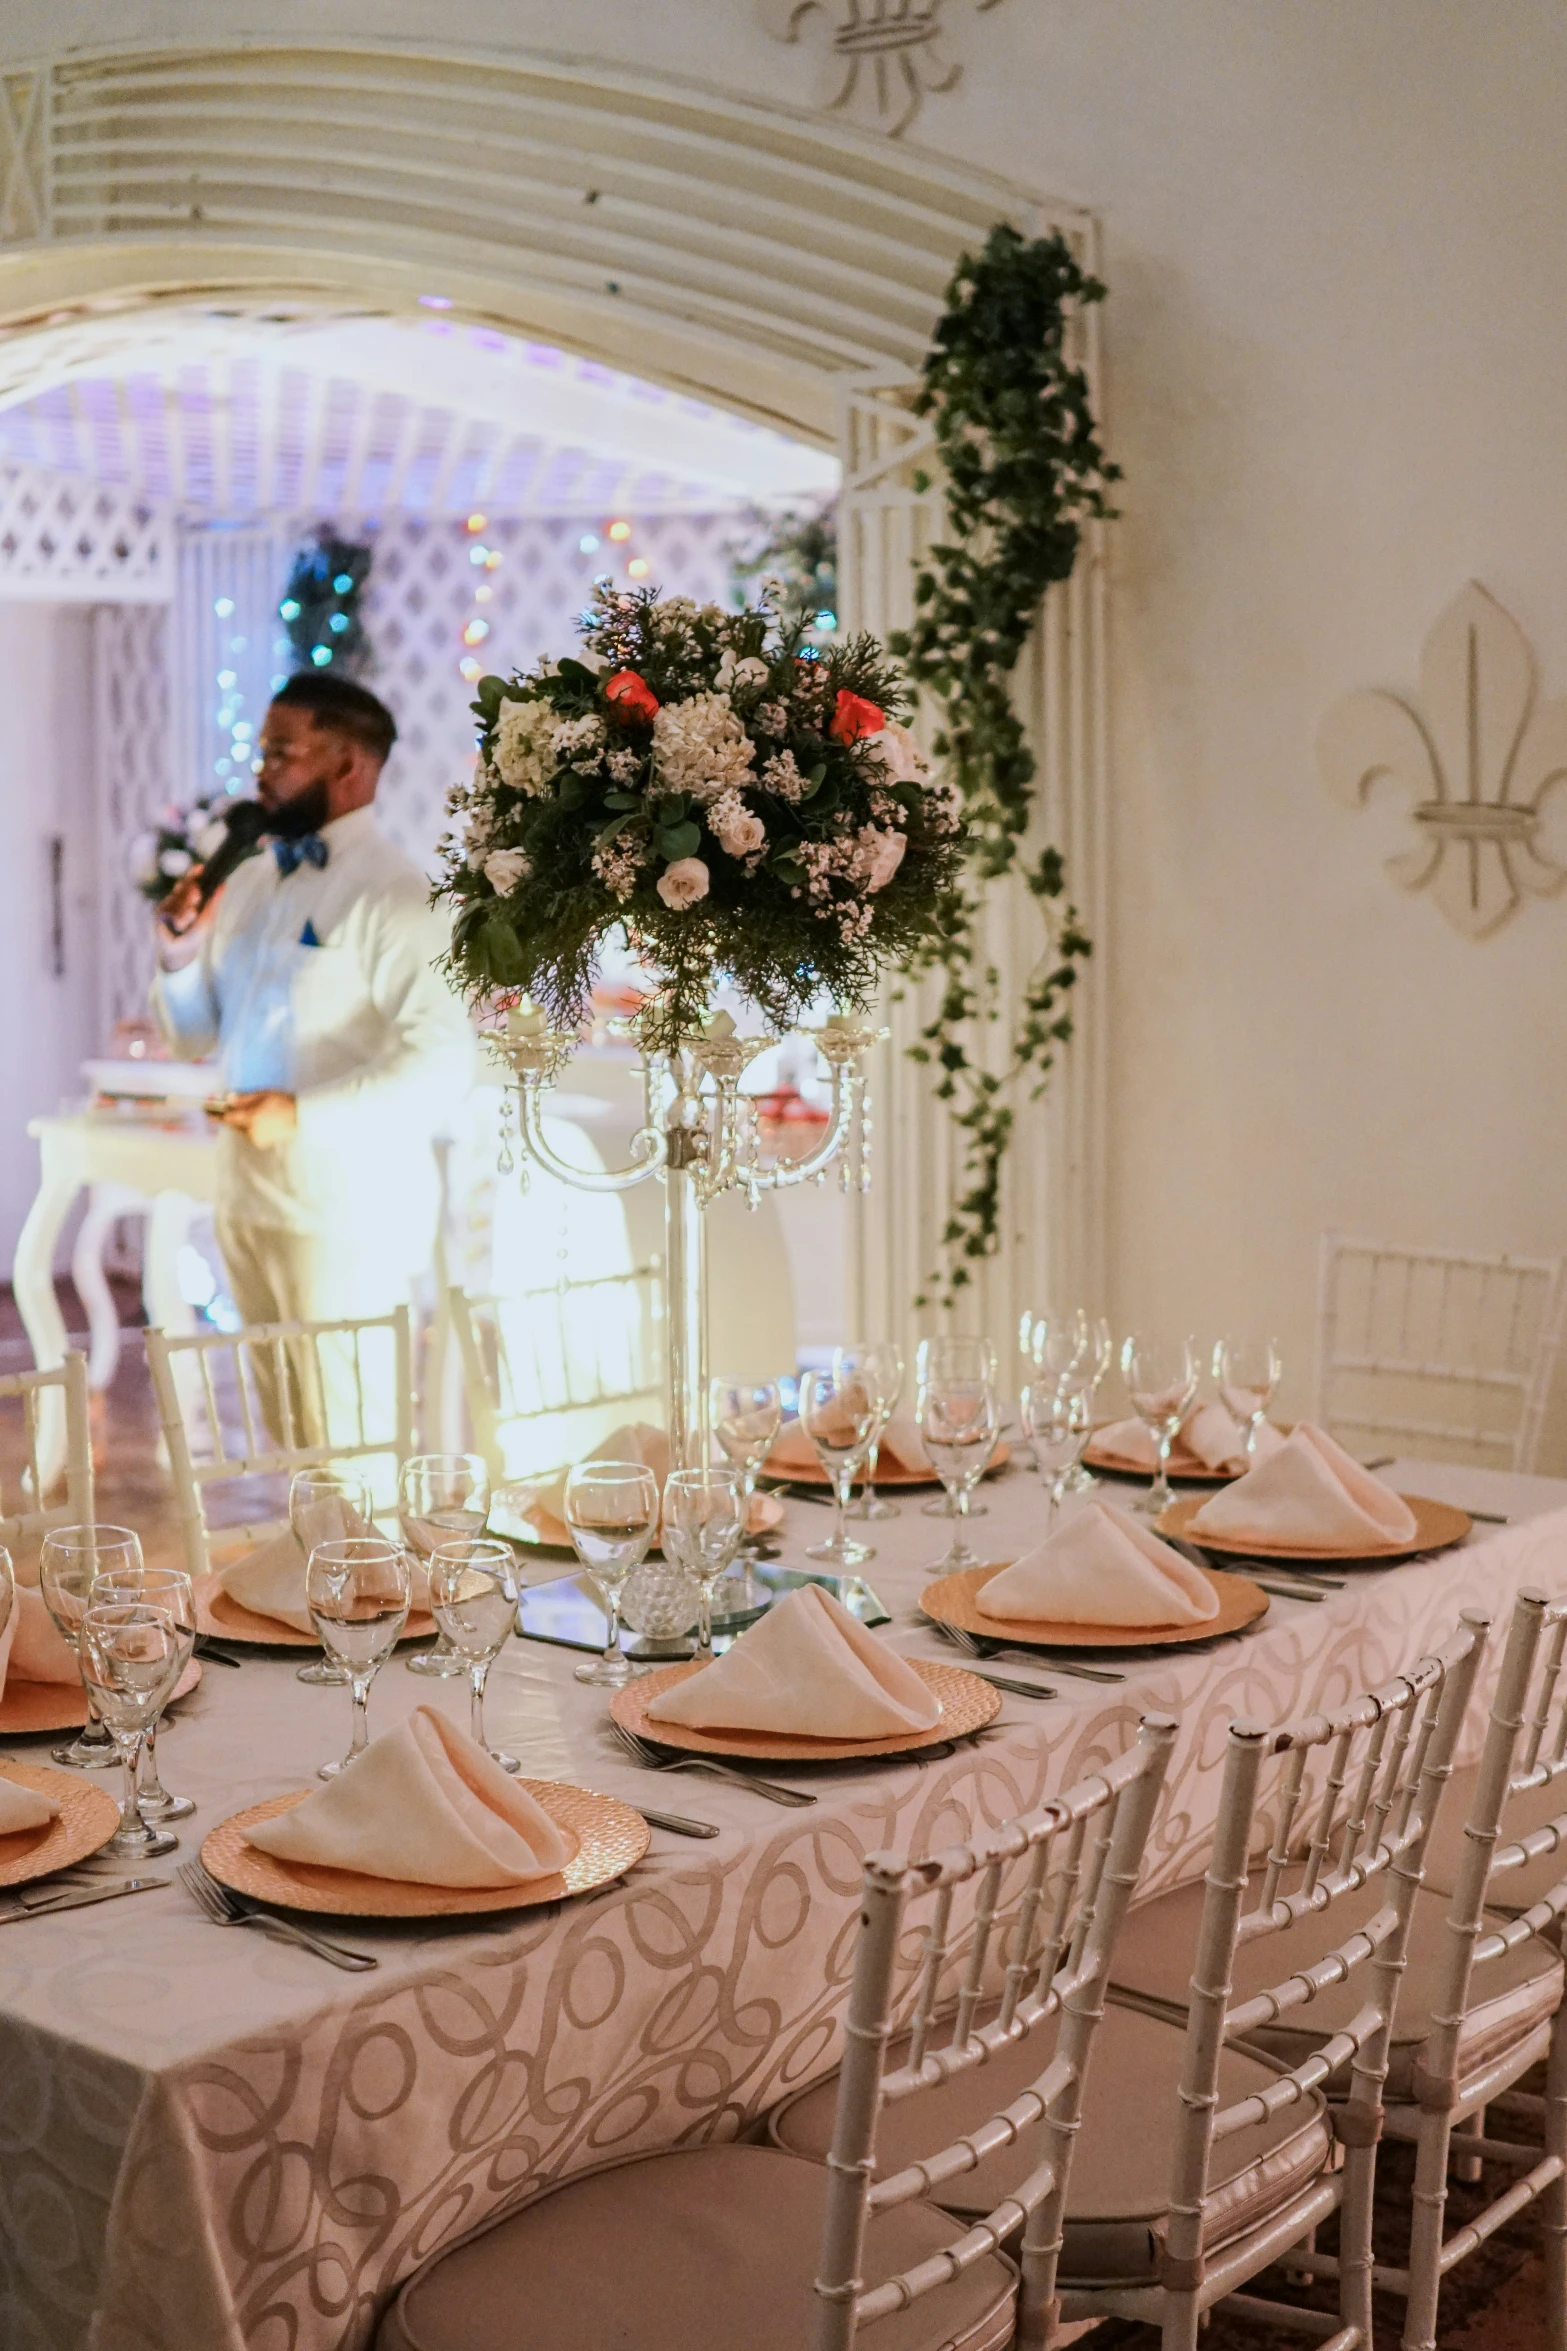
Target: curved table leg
point(106, 1203)
point(32, 1278)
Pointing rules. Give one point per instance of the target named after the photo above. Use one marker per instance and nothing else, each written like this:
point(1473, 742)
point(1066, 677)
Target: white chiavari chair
point(1437, 1354)
point(547, 1373)
point(1208, 2146)
point(718, 2246)
point(1497, 1865)
point(218, 1391)
point(36, 1515)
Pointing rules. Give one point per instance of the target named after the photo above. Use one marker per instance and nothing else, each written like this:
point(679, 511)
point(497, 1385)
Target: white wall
point(1336, 240)
point(47, 1023)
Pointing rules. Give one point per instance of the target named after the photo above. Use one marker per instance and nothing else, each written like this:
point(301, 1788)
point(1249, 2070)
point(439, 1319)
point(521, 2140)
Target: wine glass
point(1098, 1355)
point(68, 1560)
point(473, 1597)
point(612, 1512)
point(168, 1588)
point(440, 1495)
point(704, 1518)
point(838, 1413)
point(958, 1424)
point(1161, 1379)
point(1056, 1416)
point(882, 1365)
point(357, 1590)
point(1248, 1370)
point(746, 1415)
point(324, 1504)
point(954, 1357)
point(132, 1654)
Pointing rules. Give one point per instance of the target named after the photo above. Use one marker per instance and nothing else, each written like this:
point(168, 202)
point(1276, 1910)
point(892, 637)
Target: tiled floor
point(1493, 2302)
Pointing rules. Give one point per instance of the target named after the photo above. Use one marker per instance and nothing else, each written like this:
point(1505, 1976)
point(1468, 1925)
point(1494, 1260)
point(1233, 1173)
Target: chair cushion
point(1121, 2171)
point(709, 2248)
point(1515, 1889)
point(1508, 1998)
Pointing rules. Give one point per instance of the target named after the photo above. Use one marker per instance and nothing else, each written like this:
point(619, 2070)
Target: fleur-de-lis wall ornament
point(1476, 758)
point(883, 57)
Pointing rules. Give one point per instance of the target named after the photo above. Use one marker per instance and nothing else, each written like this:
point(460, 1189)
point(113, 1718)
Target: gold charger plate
point(86, 1820)
point(953, 1600)
point(1438, 1525)
point(226, 1620)
point(887, 1474)
point(967, 1704)
point(611, 1835)
point(62, 1706)
point(1185, 1468)
point(543, 1531)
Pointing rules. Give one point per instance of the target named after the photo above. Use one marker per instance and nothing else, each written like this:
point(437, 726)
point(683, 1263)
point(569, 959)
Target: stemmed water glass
point(958, 1423)
point(168, 1588)
point(838, 1413)
point(68, 1561)
point(704, 1517)
point(612, 1513)
point(746, 1416)
point(440, 1495)
point(1248, 1370)
point(1056, 1416)
point(132, 1654)
point(882, 1366)
point(473, 1597)
point(960, 1358)
point(1161, 1379)
point(357, 1590)
point(324, 1505)
point(1097, 1356)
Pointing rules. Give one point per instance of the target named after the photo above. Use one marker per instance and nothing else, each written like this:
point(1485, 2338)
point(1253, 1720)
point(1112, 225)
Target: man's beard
point(305, 812)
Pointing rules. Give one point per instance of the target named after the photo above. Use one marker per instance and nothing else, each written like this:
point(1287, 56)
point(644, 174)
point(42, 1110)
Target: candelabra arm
point(649, 1152)
point(800, 1171)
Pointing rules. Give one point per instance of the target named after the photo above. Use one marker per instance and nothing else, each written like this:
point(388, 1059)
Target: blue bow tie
point(310, 850)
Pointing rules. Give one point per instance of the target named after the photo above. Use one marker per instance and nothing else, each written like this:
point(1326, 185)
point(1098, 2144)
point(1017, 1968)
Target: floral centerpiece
point(742, 803)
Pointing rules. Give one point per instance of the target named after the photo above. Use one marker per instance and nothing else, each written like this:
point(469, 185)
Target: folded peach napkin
point(270, 1581)
point(1310, 1492)
point(23, 1808)
point(901, 1447)
point(636, 1440)
point(31, 1647)
point(1100, 1567)
point(1209, 1435)
point(425, 1805)
point(808, 1667)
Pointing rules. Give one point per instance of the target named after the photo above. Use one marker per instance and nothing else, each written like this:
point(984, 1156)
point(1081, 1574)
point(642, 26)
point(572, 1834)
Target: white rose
point(884, 853)
point(505, 868)
point(736, 827)
point(899, 753)
point(684, 882)
point(174, 862)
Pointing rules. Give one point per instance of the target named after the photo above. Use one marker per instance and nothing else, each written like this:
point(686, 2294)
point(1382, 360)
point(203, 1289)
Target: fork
point(654, 1759)
point(973, 1647)
point(228, 1910)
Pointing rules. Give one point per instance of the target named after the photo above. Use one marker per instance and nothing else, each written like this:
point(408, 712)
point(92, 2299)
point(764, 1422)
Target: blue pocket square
point(307, 937)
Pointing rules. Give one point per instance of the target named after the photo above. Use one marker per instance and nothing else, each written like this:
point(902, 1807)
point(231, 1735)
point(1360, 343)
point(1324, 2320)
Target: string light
point(476, 522)
point(484, 559)
point(468, 669)
point(637, 567)
point(619, 531)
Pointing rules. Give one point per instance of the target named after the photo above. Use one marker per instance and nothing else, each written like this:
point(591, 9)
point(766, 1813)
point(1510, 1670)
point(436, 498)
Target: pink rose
point(883, 855)
point(684, 882)
point(735, 827)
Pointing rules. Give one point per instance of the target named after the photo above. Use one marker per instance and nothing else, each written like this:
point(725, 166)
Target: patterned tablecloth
point(209, 2140)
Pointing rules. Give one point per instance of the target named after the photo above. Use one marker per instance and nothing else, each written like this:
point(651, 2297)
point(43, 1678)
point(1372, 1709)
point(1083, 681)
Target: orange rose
point(853, 717)
point(631, 696)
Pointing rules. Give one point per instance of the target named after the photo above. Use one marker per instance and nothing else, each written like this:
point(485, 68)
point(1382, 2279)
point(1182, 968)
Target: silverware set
point(972, 1646)
point(227, 1909)
point(654, 1758)
point(68, 1889)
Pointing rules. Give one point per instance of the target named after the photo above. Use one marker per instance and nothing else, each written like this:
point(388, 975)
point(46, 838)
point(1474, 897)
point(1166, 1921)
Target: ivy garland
point(1024, 472)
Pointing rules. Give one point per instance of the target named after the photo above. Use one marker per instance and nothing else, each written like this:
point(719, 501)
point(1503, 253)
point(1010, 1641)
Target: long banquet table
point(210, 2141)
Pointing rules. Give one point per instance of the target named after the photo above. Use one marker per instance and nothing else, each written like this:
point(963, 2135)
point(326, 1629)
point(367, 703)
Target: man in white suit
point(343, 1051)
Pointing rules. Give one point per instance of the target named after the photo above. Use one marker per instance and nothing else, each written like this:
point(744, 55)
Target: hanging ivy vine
point(1024, 472)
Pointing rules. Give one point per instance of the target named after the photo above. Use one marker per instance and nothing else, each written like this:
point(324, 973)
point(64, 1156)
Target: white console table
point(128, 1165)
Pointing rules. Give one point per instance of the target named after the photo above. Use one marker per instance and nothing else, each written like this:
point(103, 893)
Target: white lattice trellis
point(66, 540)
point(131, 783)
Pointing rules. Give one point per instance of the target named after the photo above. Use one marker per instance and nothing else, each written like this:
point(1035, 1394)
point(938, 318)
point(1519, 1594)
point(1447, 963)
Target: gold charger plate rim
point(981, 1703)
point(87, 1819)
point(612, 1838)
point(953, 1600)
point(62, 1706)
point(885, 1475)
point(1185, 1470)
point(227, 1619)
point(1438, 1526)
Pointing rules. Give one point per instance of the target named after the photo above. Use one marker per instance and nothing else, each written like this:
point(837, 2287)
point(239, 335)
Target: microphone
point(247, 822)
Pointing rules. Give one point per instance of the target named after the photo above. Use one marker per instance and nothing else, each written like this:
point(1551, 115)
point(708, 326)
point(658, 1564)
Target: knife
point(678, 1822)
point(78, 1898)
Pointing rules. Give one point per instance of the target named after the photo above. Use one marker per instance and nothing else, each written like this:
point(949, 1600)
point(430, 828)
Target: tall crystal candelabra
point(699, 1137)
